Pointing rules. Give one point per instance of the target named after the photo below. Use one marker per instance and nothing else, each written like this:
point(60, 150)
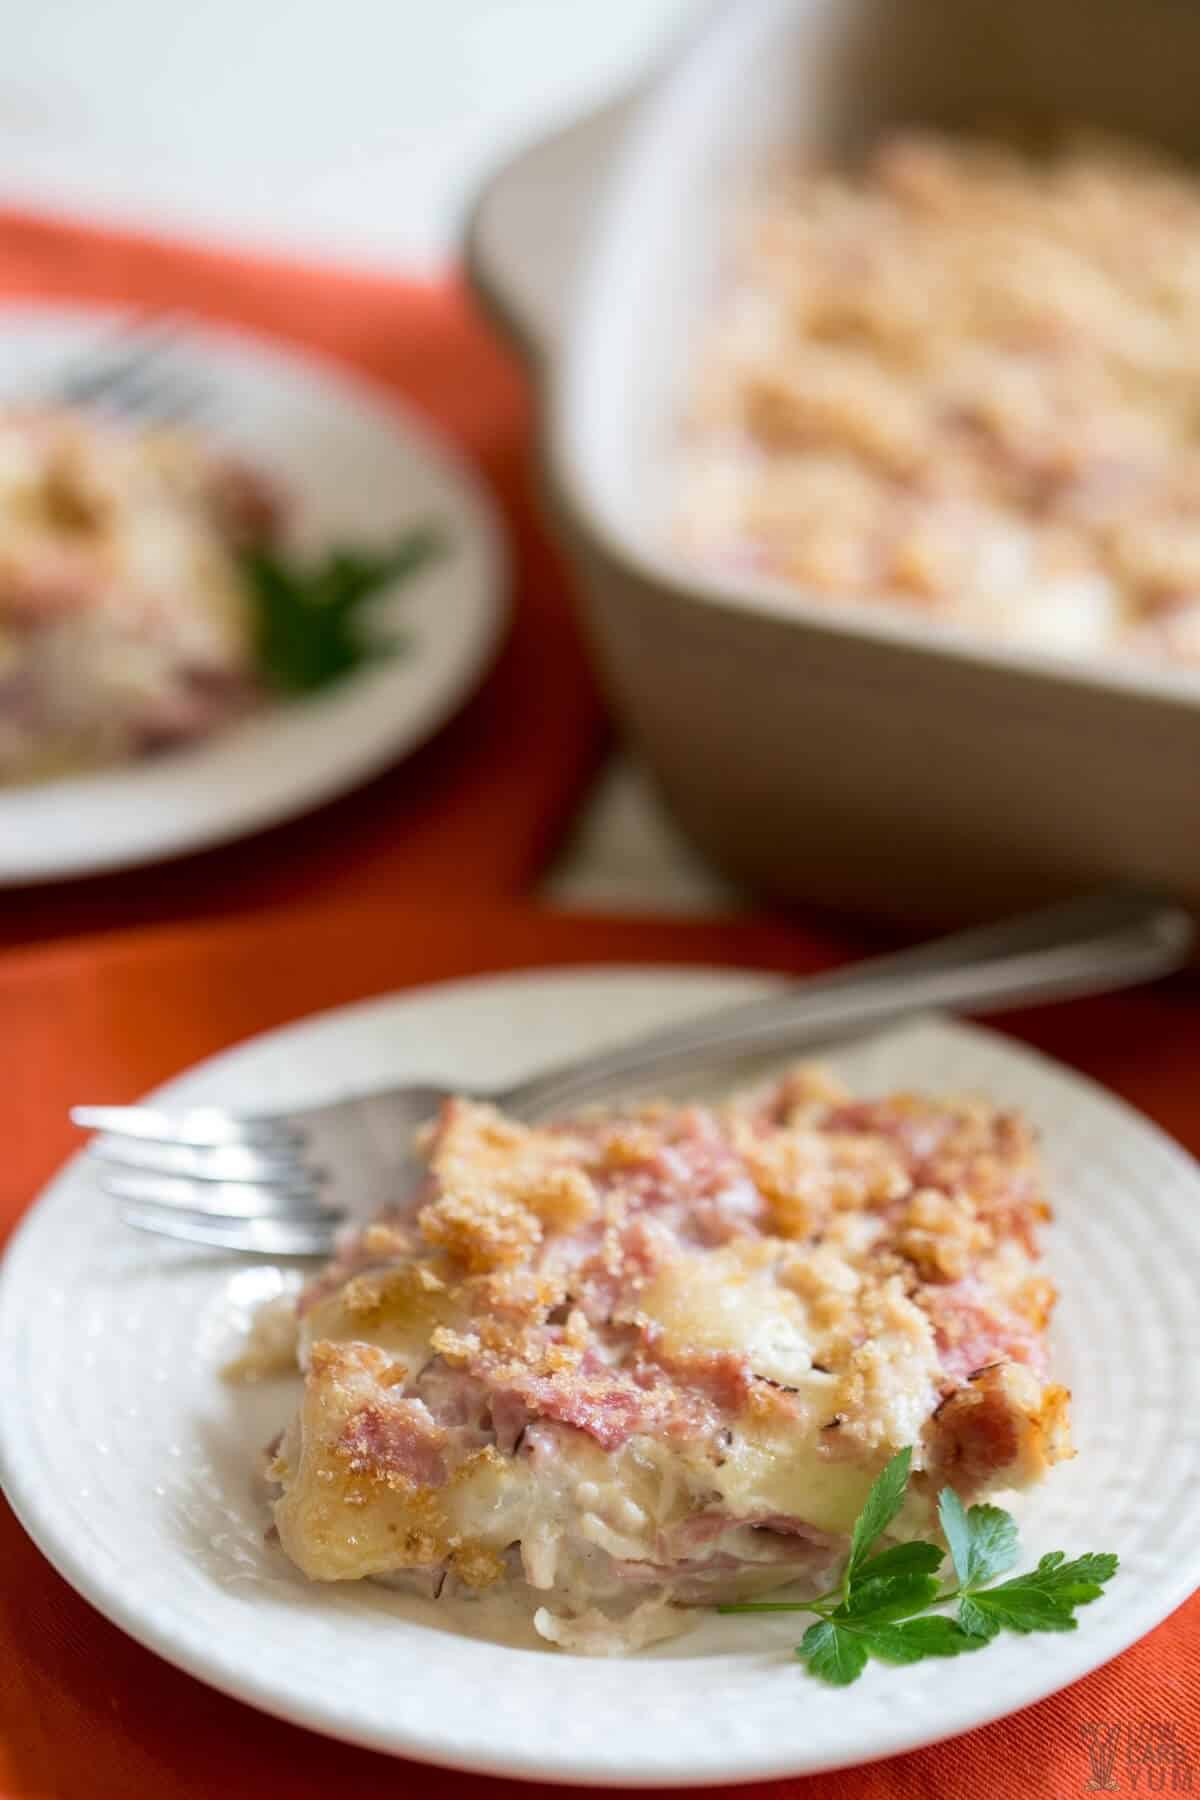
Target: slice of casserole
point(655, 1358)
point(126, 624)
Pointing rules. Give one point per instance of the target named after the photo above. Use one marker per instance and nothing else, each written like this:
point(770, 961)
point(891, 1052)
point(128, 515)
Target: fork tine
point(201, 1127)
point(100, 373)
point(225, 1199)
point(253, 1237)
point(130, 374)
point(158, 396)
point(223, 1162)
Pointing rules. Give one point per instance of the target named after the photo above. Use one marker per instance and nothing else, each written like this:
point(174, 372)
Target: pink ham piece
point(396, 1438)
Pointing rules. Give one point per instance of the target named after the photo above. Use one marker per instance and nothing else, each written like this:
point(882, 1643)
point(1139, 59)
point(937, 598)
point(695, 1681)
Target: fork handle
point(1086, 946)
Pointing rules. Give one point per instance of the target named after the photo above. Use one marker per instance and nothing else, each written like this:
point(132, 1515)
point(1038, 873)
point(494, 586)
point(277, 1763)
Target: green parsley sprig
point(309, 623)
point(882, 1607)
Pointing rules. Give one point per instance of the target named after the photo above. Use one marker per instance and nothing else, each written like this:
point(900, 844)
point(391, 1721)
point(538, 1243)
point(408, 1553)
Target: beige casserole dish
point(856, 756)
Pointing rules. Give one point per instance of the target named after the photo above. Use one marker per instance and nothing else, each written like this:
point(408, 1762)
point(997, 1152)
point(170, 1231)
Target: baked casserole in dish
point(910, 624)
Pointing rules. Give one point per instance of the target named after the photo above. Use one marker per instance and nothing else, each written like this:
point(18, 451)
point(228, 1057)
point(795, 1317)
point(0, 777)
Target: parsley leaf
point(308, 623)
point(837, 1649)
point(835, 1654)
point(915, 1639)
point(1044, 1600)
point(953, 1517)
point(903, 1559)
point(879, 1509)
point(881, 1608)
point(983, 1542)
point(889, 1597)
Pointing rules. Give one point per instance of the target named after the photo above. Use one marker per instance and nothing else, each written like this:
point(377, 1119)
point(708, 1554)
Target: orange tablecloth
point(83, 1710)
point(416, 878)
point(478, 809)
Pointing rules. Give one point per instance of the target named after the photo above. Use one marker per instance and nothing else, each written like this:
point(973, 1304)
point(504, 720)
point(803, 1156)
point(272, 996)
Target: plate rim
point(423, 721)
point(1144, 1610)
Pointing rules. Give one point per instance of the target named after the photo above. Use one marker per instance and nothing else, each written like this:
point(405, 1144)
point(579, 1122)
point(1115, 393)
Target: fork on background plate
point(284, 1184)
point(133, 372)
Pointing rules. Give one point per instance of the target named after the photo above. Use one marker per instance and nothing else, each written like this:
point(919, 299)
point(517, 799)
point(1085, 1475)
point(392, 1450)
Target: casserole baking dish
point(856, 756)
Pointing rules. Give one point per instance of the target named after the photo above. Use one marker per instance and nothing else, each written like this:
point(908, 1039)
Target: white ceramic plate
point(130, 1463)
point(357, 468)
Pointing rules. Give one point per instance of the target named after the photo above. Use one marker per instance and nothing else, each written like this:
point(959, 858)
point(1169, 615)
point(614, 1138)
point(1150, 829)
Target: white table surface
point(356, 132)
point(354, 129)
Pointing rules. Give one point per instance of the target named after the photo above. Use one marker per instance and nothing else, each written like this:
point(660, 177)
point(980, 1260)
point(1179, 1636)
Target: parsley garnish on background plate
point(310, 629)
point(882, 1607)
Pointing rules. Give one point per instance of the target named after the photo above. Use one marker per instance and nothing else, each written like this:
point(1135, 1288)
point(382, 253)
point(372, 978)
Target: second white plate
point(356, 468)
point(132, 1465)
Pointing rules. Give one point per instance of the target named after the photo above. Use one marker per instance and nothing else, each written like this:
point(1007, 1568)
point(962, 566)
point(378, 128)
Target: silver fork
point(282, 1184)
point(134, 373)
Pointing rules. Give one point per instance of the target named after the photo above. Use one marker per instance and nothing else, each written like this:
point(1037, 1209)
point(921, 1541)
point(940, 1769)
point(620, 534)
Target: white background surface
point(354, 129)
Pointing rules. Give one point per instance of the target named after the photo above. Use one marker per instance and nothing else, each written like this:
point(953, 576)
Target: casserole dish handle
point(527, 226)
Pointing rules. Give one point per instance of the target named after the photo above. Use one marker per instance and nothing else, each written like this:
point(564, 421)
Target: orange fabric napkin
point(478, 809)
point(84, 1711)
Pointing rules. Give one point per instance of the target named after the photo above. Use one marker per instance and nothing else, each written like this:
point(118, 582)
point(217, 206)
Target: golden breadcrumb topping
point(963, 379)
point(499, 1185)
point(672, 1344)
